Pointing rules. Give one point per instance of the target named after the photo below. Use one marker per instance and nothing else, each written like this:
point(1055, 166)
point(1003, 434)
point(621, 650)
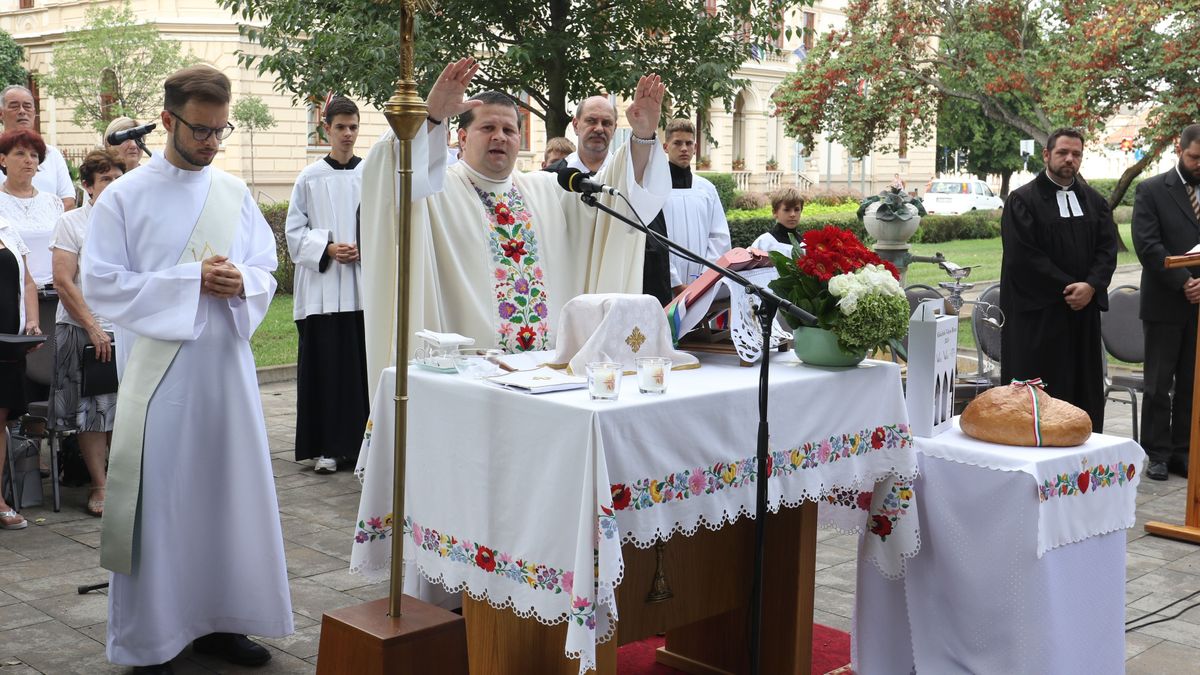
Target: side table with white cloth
point(1021, 567)
point(525, 500)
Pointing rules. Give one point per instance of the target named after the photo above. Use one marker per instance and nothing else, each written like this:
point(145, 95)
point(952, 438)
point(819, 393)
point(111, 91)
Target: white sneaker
point(325, 465)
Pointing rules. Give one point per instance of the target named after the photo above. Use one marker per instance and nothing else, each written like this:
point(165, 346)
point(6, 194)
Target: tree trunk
point(1132, 172)
point(1005, 178)
point(557, 115)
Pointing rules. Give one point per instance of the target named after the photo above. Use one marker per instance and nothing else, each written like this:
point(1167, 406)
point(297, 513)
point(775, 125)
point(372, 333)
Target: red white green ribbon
point(1033, 385)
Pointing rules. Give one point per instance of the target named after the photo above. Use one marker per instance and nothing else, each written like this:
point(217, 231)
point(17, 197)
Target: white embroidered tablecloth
point(1082, 491)
point(1021, 567)
point(525, 500)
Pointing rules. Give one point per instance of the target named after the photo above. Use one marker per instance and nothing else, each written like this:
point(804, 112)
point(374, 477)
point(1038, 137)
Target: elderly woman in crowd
point(32, 212)
point(78, 328)
point(18, 314)
point(128, 152)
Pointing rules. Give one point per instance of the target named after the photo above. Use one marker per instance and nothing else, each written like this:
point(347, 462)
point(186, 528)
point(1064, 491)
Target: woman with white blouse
point(32, 212)
point(18, 314)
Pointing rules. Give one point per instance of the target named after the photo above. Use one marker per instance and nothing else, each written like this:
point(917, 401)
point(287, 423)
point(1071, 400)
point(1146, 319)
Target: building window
point(31, 84)
point(316, 132)
point(810, 30)
point(26, 4)
point(902, 149)
point(525, 119)
point(108, 94)
point(710, 7)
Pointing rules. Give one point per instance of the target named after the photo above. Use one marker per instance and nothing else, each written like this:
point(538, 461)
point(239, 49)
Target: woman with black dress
point(18, 314)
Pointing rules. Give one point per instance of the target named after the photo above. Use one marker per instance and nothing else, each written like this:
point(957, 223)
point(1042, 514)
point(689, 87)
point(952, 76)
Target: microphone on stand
point(574, 180)
point(136, 133)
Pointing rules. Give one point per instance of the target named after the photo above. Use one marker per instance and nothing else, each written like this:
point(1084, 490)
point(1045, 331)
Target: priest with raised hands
point(496, 252)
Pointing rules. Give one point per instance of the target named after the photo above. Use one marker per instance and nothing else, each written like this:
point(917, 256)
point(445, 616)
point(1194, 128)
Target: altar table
point(524, 501)
point(1021, 567)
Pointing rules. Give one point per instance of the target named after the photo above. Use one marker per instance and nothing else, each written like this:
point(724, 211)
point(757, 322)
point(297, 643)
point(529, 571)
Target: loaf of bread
point(1005, 415)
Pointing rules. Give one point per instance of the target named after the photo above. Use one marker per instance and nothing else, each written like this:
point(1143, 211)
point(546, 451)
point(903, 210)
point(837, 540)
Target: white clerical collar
point(487, 184)
point(574, 162)
point(160, 164)
point(1068, 202)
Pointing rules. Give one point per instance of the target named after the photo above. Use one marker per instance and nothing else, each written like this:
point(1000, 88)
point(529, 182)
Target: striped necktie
point(1195, 199)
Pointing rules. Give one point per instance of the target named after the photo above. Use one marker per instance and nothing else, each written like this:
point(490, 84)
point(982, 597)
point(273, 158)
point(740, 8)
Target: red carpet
point(831, 651)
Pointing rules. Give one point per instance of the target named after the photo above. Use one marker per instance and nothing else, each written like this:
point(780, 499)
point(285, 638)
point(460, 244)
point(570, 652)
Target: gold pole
point(405, 112)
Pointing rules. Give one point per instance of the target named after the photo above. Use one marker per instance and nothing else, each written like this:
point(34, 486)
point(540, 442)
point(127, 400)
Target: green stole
point(144, 370)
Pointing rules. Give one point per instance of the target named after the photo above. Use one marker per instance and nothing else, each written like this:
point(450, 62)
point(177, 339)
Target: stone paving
point(46, 627)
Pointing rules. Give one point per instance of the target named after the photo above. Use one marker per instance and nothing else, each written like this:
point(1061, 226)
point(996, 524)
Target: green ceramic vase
point(819, 347)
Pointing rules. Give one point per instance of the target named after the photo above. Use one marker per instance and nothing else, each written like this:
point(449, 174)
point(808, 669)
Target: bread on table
point(1005, 415)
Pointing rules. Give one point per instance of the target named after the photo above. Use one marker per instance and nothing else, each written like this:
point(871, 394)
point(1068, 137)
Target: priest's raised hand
point(446, 98)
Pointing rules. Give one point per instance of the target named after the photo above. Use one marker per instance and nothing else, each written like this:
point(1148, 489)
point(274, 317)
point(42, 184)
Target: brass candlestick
point(405, 112)
point(660, 590)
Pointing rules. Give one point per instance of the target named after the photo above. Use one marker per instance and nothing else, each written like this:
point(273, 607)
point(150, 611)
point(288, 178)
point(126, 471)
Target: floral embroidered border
point(1086, 480)
point(522, 302)
point(533, 575)
point(645, 493)
point(883, 517)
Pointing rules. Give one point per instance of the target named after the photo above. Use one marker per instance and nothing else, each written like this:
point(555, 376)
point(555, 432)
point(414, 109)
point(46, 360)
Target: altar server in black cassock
point(1060, 251)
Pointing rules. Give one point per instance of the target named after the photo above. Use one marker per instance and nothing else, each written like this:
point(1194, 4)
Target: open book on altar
point(539, 380)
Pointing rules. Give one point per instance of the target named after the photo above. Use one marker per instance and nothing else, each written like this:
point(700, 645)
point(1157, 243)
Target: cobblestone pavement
point(46, 627)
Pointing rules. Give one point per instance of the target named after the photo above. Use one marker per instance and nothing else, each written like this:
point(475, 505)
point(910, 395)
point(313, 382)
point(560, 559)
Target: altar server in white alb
point(497, 252)
point(322, 237)
point(693, 213)
point(179, 258)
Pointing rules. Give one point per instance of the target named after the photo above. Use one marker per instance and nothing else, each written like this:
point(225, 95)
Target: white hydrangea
point(866, 280)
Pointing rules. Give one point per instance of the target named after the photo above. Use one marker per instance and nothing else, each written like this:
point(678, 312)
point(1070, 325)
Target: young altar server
point(331, 374)
point(179, 258)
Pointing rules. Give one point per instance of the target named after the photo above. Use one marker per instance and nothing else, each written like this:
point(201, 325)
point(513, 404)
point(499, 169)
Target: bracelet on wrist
point(436, 123)
point(644, 141)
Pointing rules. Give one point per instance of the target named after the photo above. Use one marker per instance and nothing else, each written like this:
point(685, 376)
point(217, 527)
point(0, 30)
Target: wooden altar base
point(706, 622)
point(363, 640)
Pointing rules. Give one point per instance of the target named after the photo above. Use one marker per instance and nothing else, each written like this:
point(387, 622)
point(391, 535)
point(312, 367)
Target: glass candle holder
point(604, 380)
point(652, 374)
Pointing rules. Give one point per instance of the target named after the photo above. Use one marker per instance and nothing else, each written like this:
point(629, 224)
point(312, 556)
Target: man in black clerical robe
point(1060, 251)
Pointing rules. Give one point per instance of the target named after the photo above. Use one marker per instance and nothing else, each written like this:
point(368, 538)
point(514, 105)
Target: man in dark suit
point(1166, 221)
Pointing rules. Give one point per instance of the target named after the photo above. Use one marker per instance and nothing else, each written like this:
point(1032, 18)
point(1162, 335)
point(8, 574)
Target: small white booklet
point(539, 380)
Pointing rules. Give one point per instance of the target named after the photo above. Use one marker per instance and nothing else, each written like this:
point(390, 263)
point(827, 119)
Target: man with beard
point(1166, 219)
point(1060, 250)
point(495, 251)
point(179, 259)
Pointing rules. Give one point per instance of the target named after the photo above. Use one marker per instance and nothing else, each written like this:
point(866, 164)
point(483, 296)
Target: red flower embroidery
point(513, 249)
point(504, 215)
point(878, 437)
point(770, 465)
point(1084, 479)
point(1129, 471)
point(485, 559)
point(881, 526)
point(526, 337)
point(620, 496)
point(864, 501)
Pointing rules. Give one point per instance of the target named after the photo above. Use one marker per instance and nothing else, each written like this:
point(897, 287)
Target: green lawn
point(275, 341)
point(984, 256)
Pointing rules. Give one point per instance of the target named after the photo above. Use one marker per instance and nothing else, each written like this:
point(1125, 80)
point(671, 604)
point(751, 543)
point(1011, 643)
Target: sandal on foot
point(95, 507)
point(11, 520)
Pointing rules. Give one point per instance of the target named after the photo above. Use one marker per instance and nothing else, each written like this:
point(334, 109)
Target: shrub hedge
point(1105, 187)
point(725, 185)
point(276, 216)
point(933, 229)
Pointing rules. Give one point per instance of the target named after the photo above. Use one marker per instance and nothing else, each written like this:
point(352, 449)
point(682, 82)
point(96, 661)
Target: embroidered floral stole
point(517, 276)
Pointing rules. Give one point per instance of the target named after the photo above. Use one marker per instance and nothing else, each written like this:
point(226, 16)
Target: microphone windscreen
point(565, 177)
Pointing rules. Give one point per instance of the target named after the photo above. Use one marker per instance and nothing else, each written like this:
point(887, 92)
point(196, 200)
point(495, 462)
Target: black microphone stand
point(769, 305)
point(142, 144)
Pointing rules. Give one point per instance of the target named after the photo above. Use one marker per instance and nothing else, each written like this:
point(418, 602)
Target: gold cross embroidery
point(635, 340)
point(205, 254)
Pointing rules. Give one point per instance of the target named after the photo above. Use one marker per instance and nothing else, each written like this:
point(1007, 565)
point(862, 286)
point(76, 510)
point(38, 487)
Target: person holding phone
point(79, 330)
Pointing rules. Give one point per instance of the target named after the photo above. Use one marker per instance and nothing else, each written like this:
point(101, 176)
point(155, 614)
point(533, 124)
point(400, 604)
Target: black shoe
point(1178, 465)
point(234, 648)
point(1157, 471)
point(160, 669)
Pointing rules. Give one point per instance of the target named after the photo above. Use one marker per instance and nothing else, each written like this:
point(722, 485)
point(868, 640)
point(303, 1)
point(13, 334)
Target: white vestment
point(210, 547)
point(322, 211)
point(456, 255)
point(696, 221)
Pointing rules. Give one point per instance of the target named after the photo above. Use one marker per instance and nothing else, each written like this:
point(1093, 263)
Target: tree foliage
point(552, 51)
point(1031, 65)
point(251, 114)
point(989, 147)
point(11, 56)
point(114, 66)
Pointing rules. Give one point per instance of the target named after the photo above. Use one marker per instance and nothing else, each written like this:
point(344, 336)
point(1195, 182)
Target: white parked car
point(947, 197)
